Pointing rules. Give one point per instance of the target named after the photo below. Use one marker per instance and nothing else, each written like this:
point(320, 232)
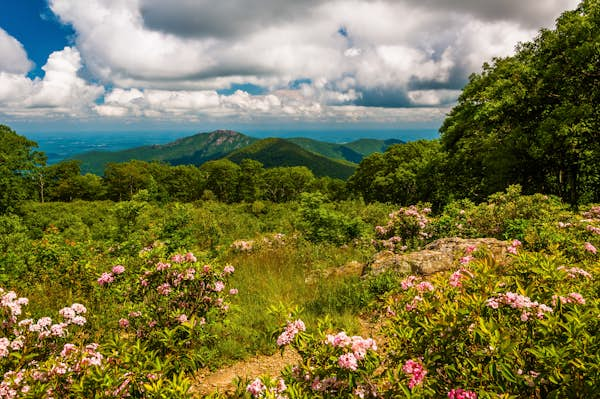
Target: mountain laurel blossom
point(459, 393)
point(291, 330)
point(590, 248)
point(415, 371)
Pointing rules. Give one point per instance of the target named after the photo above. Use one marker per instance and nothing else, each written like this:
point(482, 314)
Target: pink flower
point(466, 259)
point(162, 266)
point(118, 269)
point(348, 361)
point(228, 269)
point(455, 279)
point(425, 286)
point(182, 318)
point(256, 388)
point(415, 371)
point(106, 278)
point(470, 249)
point(164, 289)
point(123, 323)
point(219, 285)
point(589, 247)
point(290, 332)
point(190, 257)
point(408, 282)
point(233, 291)
point(206, 268)
point(461, 394)
point(177, 258)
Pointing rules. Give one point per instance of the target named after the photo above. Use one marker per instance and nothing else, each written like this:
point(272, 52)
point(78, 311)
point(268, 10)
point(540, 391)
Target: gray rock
point(439, 255)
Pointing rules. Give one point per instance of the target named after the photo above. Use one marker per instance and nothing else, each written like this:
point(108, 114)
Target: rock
point(439, 255)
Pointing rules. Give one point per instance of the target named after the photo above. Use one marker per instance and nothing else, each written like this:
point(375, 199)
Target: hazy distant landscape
point(63, 145)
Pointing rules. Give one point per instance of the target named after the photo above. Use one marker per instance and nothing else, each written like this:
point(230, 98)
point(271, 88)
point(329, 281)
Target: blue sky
point(294, 65)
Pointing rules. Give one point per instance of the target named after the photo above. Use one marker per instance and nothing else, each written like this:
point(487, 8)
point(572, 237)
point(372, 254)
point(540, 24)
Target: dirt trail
point(221, 380)
point(207, 382)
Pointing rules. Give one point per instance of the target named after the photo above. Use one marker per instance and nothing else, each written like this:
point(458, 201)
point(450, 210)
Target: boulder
point(439, 255)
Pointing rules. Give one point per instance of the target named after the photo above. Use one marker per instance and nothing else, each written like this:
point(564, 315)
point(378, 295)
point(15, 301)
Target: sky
point(274, 64)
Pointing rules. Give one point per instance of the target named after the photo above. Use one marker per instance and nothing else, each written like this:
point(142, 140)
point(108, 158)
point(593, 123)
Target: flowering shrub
point(407, 228)
point(36, 356)
point(336, 366)
point(496, 328)
point(172, 304)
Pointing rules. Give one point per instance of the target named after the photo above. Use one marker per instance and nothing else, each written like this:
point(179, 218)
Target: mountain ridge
point(323, 158)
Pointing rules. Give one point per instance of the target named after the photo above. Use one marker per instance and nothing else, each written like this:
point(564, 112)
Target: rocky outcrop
point(439, 255)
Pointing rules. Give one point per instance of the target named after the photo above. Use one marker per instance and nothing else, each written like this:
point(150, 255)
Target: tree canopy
point(533, 118)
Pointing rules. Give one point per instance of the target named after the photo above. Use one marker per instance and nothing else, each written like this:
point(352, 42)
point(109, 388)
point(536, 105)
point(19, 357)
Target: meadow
point(131, 299)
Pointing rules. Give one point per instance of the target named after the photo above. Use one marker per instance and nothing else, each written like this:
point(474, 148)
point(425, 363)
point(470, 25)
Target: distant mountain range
point(323, 158)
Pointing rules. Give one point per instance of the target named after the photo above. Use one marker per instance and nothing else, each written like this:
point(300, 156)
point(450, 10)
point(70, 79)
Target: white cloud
point(14, 58)
point(61, 91)
point(313, 59)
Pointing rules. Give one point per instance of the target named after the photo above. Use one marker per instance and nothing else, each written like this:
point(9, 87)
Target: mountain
point(353, 152)
point(366, 147)
point(323, 158)
point(195, 149)
point(274, 152)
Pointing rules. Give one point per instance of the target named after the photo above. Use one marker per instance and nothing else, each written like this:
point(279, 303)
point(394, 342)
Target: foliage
point(19, 165)
point(322, 224)
point(532, 119)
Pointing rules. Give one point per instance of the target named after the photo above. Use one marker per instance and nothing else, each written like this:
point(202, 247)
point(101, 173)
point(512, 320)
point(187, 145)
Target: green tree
point(285, 183)
point(533, 119)
point(402, 175)
point(250, 181)
point(123, 180)
point(19, 166)
point(222, 178)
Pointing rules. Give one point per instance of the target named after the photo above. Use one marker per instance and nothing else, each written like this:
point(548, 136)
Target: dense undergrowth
point(129, 299)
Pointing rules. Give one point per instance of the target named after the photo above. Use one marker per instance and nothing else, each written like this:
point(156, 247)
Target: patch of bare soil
point(223, 380)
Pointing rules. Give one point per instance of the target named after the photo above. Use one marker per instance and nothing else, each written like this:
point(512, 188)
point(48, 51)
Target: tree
point(19, 163)
point(123, 180)
point(401, 175)
point(250, 181)
point(222, 178)
point(285, 183)
point(533, 119)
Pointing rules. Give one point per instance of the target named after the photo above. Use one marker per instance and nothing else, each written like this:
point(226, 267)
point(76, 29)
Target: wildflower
point(164, 289)
point(78, 320)
point(461, 394)
point(256, 388)
point(118, 269)
point(78, 308)
point(348, 361)
point(573, 272)
point(425, 286)
point(177, 258)
point(466, 259)
point(106, 278)
point(408, 282)
point(455, 279)
point(290, 332)
point(123, 323)
point(415, 371)
point(219, 285)
point(162, 266)
point(228, 269)
point(182, 318)
point(589, 247)
point(233, 291)
point(190, 257)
